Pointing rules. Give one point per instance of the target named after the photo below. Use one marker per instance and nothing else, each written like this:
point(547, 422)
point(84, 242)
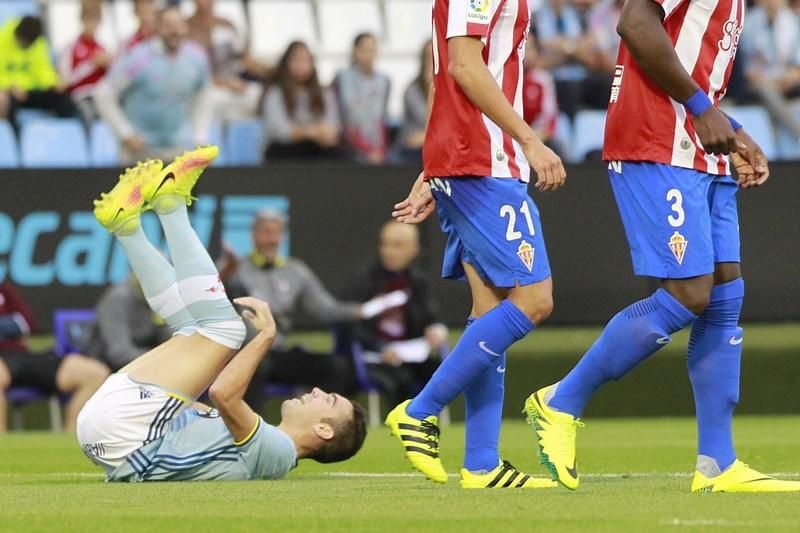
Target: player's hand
point(391, 357)
point(418, 205)
point(134, 144)
point(257, 312)
point(436, 335)
point(547, 165)
point(715, 132)
point(749, 161)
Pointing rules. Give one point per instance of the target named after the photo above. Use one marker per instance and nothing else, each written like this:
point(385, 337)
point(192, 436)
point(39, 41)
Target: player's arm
point(228, 390)
point(641, 27)
point(468, 70)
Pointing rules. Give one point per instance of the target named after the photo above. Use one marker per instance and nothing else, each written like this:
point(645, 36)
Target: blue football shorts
point(493, 225)
point(679, 222)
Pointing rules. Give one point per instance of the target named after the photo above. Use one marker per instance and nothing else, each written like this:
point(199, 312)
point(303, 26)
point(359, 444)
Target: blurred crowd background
point(107, 82)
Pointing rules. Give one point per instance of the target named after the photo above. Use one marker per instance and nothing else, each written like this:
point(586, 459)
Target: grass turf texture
point(636, 478)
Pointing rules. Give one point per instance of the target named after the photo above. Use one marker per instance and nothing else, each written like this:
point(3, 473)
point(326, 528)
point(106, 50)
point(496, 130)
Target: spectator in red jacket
point(84, 63)
point(73, 374)
point(539, 101)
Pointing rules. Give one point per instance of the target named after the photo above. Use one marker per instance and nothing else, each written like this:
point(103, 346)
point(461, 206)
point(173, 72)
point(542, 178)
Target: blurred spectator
point(126, 327)
point(231, 95)
point(539, 102)
point(597, 50)
point(399, 342)
point(73, 374)
point(300, 115)
point(363, 96)
point(415, 111)
point(771, 46)
point(27, 76)
point(558, 27)
point(146, 12)
point(84, 63)
point(290, 287)
point(153, 96)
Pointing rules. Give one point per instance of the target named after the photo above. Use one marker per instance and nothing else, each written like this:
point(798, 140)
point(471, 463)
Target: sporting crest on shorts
point(678, 244)
point(526, 252)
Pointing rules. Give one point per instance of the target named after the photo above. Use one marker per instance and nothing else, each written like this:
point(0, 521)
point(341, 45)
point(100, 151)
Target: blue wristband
point(734, 124)
point(698, 103)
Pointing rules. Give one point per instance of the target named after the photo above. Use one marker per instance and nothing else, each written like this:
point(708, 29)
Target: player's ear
point(323, 430)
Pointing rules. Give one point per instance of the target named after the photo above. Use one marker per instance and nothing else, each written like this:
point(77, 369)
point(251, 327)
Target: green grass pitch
point(636, 476)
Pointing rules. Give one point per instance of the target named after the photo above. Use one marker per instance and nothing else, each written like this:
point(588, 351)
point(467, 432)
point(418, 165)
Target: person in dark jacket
point(400, 344)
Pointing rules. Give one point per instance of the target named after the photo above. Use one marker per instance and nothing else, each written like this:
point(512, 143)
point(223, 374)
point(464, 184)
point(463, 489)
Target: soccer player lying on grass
point(142, 425)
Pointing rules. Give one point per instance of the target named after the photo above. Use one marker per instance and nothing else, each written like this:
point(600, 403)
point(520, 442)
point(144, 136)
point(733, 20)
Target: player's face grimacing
point(316, 406)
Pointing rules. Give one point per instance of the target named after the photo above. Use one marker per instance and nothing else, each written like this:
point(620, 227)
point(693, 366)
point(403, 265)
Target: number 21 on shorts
point(508, 210)
point(525, 252)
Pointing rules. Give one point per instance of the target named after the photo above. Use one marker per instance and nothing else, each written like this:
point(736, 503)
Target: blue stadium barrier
point(588, 133)
point(25, 116)
point(564, 135)
point(9, 151)
point(756, 121)
point(244, 142)
point(52, 143)
point(16, 8)
point(103, 145)
point(788, 146)
point(217, 137)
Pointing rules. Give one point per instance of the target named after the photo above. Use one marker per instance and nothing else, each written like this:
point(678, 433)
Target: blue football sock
point(481, 346)
point(634, 334)
point(483, 399)
point(715, 352)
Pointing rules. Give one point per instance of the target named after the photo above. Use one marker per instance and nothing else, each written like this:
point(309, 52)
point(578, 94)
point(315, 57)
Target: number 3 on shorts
point(676, 197)
point(508, 211)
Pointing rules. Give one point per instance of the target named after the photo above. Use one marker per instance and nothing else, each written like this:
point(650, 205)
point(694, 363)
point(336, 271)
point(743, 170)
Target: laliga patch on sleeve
point(478, 12)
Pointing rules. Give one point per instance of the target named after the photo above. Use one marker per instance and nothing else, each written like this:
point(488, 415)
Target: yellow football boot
point(556, 435)
point(119, 209)
point(175, 182)
point(420, 440)
point(505, 476)
point(741, 478)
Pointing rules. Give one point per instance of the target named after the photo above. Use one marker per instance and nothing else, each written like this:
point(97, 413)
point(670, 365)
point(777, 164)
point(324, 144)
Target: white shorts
point(123, 416)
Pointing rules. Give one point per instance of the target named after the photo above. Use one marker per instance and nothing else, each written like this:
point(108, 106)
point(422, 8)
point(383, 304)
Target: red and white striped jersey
point(460, 140)
point(644, 123)
point(77, 66)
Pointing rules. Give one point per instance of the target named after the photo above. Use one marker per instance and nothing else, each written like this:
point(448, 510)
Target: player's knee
point(5, 376)
point(694, 297)
point(95, 372)
point(229, 332)
point(538, 310)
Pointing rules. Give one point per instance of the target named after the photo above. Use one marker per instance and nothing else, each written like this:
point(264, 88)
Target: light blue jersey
point(198, 446)
point(158, 89)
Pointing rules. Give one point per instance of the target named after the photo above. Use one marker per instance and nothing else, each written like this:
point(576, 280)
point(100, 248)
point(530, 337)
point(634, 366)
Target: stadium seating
point(50, 143)
point(244, 142)
point(103, 145)
point(408, 25)
point(9, 151)
point(341, 20)
point(588, 133)
point(788, 146)
point(278, 22)
point(757, 123)
point(564, 135)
